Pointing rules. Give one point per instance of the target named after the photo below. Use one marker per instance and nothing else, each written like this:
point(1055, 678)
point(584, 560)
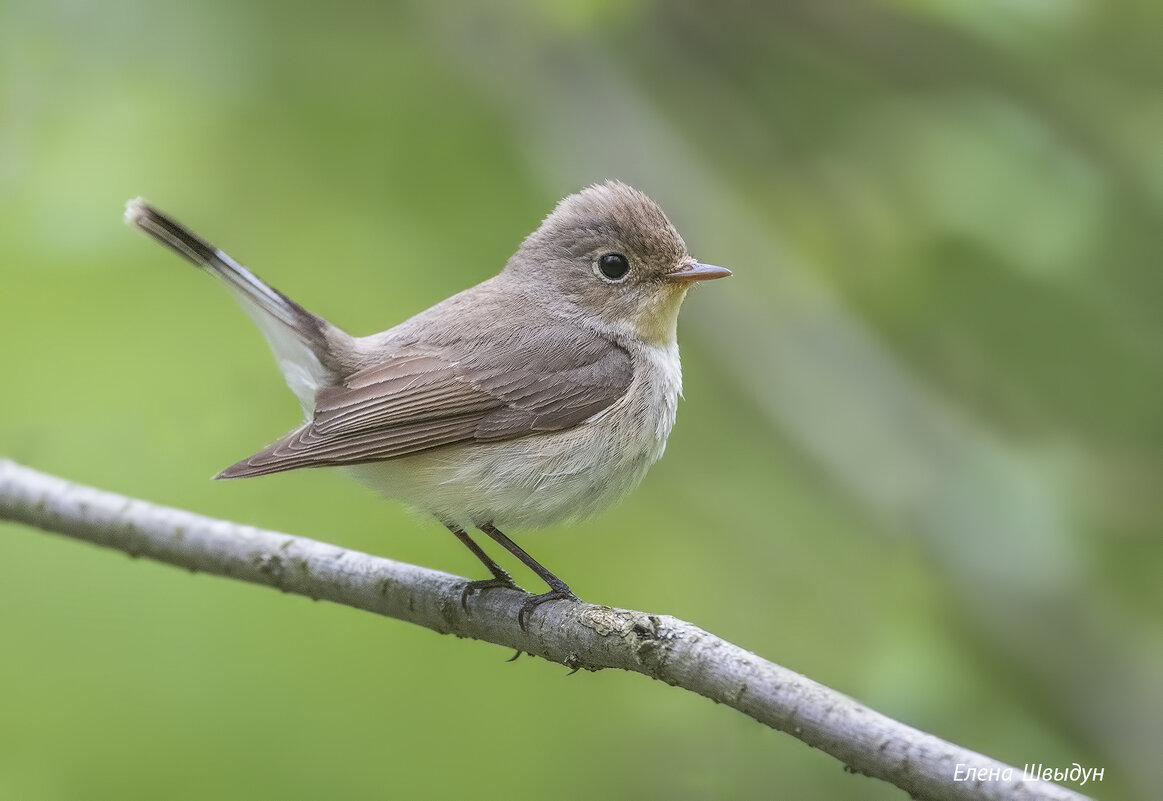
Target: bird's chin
point(657, 322)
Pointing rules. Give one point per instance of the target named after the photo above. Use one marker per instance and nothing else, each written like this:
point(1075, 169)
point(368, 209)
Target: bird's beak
point(696, 271)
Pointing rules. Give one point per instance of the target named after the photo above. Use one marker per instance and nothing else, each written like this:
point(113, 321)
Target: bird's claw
point(557, 594)
point(471, 587)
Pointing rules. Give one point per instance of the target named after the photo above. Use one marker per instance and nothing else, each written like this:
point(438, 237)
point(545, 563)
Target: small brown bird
point(540, 395)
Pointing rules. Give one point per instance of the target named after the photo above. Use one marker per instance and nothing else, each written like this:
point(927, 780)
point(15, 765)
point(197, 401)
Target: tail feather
point(311, 352)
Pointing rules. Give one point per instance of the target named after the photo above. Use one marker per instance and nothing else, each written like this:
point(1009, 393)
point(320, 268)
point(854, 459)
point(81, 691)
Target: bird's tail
point(311, 351)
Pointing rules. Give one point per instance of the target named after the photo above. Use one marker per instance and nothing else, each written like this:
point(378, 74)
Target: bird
point(539, 396)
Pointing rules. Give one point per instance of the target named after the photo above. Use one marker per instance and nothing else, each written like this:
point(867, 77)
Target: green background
point(919, 459)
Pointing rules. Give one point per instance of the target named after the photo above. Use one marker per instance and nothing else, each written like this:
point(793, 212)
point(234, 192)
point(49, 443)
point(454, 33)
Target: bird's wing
point(506, 384)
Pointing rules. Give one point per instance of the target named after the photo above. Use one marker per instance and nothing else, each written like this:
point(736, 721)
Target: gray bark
point(577, 635)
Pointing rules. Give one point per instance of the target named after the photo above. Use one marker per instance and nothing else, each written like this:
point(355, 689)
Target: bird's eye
point(613, 266)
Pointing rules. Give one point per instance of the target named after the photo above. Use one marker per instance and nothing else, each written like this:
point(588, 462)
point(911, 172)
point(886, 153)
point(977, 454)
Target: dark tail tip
point(169, 232)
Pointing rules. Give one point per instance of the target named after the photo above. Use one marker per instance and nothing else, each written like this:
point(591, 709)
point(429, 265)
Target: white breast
point(547, 478)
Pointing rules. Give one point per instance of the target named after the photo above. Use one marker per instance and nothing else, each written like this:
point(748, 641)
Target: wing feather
point(428, 396)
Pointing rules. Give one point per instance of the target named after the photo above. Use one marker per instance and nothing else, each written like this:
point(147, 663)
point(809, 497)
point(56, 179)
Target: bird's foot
point(558, 593)
point(471, 587)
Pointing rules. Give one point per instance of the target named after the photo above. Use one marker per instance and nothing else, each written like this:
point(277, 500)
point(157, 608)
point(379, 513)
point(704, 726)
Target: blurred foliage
point(919, 460)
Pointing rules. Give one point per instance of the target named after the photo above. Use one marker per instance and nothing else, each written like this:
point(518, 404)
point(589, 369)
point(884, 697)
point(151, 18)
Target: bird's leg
point(558, 590)
point(500, 577)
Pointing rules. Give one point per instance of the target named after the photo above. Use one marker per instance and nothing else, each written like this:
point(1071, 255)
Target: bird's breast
point(656, 389)
point(542, 479)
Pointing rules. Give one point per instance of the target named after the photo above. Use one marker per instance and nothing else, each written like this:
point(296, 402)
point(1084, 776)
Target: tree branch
point(575, 635)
